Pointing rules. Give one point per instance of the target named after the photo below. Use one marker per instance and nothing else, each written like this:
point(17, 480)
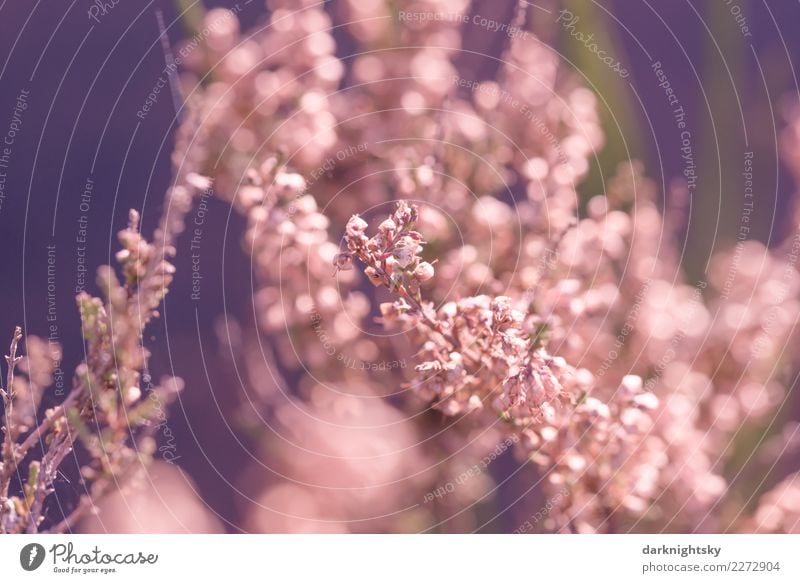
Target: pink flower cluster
point(481, 351)
point(526, 310)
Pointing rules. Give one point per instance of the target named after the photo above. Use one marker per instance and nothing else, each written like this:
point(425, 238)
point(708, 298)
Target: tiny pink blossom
point(424, 271)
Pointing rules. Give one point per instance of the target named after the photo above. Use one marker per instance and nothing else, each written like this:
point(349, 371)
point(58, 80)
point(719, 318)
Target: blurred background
point(81, 149)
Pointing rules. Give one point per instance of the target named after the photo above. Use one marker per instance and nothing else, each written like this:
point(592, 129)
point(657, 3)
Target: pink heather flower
point(406, 250)
point(387, 226)
point(374, 277)
point(356, 226)
point(424, 271)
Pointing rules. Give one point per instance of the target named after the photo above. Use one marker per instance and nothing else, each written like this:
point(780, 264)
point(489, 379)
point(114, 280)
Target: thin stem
point(427, 320)
point(8, 397)
point(56, 413)
point(44, 481)
point(430, 322)
point(9, 454)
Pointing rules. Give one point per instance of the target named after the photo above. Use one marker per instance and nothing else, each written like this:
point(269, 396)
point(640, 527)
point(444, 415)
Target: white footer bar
point(402, 558)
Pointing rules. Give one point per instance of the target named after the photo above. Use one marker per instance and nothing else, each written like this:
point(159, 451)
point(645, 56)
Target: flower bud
point(424, 271)
point(387, 225)
point(404, 255)
point(373, 276)
point(343, 261)
point(356, 226)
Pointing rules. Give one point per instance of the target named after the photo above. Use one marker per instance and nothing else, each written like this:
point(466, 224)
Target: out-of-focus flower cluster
point(779, 509)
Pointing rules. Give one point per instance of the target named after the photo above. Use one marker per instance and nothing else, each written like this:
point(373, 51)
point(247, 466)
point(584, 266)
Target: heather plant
point(429, 290)
point(106, 413)
point(106, 423)
point(481, 351)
